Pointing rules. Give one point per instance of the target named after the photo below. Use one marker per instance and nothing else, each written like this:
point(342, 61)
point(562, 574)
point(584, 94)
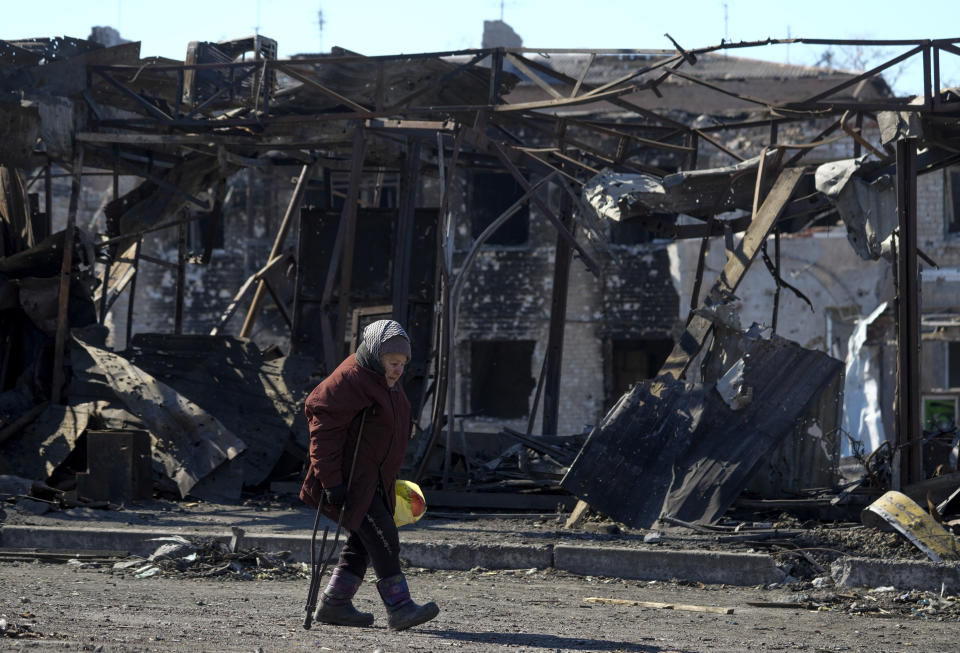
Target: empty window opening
point(953, 364)
point(500, 378)
point(633, 361)
point(492, 193)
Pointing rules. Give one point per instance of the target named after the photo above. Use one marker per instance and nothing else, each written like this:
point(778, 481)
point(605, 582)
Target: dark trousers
point(376, 542)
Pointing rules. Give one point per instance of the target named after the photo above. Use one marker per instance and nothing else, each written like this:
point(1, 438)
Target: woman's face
point(393, 364)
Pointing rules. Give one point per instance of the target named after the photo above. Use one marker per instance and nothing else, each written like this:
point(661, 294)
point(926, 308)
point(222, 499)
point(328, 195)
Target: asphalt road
point(61, 607)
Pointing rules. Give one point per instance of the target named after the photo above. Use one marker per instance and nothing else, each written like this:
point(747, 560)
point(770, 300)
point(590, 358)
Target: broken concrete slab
point(645, 564)
point(473, 554)
point(902, 574)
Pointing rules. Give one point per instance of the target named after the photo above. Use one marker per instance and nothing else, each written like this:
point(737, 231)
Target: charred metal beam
point(66, 275)
point(314, 84)
point(542, 205)
point(181, 278)
point(238, 297)
point(738, 263)
point(534, 77)
point(133, 291)
point(865, 75)
point(909, 435)
point(719, 89)
point(151, 108)
point(409, 184)
point(292, 208)
point(558, 320)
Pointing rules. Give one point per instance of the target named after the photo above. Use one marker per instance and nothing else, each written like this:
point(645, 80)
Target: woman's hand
point(335, 495)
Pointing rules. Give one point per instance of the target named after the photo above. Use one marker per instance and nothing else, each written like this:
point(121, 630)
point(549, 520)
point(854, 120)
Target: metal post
point(909, 441)
point(48, 198)
point(403, 241)
point(111, 250)
point(181, 278)
point(693, 142)
point(558, 321)
point(66, 268)
point(348, 226)
point(133, 292)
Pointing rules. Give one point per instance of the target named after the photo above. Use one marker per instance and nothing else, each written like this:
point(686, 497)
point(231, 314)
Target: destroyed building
point(546, 223)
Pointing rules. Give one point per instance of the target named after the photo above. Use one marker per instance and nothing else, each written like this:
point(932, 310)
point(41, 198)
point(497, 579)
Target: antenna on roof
point(256, 28)
point(788, 43)
point(726, 31)
point(501, 11)
point(320, 23)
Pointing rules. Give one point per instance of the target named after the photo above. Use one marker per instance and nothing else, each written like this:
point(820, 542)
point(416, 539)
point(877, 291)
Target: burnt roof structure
point(544, 116)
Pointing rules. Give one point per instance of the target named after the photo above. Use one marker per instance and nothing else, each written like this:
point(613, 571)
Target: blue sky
point(392, 27)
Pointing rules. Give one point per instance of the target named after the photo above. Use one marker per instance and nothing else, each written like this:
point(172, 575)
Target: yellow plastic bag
point(410, 503)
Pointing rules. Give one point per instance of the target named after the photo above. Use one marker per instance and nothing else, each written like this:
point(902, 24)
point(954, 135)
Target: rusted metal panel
point(677, 449)
point(118, 467)
point(913, 522)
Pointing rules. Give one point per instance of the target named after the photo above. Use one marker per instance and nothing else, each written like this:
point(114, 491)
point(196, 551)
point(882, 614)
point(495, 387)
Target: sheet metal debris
point(902, 513)
point(865, 196)
point(187, 440)
point(676, 449)
point(47, 441)
point(621, 196)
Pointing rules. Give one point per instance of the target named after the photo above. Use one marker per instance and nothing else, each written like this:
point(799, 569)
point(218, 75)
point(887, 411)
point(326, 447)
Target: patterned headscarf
point(374, 335)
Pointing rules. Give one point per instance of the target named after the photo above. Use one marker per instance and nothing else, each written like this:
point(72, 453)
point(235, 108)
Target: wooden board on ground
point(661, 606)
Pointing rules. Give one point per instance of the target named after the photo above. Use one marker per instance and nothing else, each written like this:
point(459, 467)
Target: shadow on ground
point(551, 642)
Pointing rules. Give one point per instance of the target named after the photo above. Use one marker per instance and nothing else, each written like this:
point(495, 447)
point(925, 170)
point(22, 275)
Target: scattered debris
point(918, 526)
point(206, 557)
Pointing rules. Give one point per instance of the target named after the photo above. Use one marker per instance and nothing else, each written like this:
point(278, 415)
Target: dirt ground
point(93, 607)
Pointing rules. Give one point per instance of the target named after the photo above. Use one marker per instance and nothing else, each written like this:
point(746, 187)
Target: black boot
point(402, 612)
point(335, 602)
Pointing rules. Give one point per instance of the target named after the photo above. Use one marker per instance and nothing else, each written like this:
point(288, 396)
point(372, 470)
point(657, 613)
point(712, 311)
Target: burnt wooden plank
point(692, 339)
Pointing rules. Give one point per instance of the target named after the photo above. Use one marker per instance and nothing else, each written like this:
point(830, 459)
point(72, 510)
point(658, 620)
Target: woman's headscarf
point(374, 336)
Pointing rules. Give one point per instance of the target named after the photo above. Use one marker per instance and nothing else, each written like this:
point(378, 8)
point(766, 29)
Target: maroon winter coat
point(333, 412)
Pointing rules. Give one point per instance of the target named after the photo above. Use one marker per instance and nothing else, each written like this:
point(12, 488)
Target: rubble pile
point(16, 630)
point(200, 557)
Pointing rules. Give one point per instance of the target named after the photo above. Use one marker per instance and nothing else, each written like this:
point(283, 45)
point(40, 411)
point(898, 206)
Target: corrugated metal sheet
point(677, 449)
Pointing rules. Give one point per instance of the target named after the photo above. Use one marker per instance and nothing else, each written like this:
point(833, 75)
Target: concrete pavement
point(440, 542)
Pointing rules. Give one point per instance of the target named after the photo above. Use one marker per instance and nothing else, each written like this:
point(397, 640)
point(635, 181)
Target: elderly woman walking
point(363, 390)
